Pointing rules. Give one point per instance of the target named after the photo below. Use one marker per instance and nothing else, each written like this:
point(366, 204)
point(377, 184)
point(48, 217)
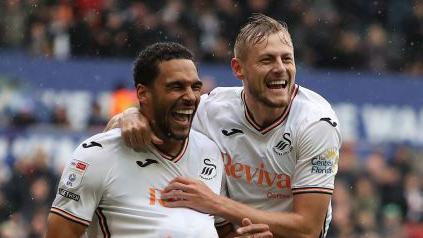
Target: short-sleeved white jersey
point(266, 167)
point(116, 191)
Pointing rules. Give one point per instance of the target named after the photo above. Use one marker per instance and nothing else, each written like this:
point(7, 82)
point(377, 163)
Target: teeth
point(185, 111)
point(281, 82)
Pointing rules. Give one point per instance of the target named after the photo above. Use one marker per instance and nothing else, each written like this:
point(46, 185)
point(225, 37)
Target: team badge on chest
point(209, 170)
point(283, 146)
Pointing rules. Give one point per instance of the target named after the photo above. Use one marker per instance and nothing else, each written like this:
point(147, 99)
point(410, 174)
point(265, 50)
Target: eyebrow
point(198, 83)
point(178, 81)
point(273, 55)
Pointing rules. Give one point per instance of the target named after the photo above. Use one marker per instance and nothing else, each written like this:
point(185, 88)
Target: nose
point(189, 95)
point(279, 65)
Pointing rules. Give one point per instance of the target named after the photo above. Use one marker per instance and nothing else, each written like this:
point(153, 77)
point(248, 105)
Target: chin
point(276, 103)
point(180, 134)
point(283, 101)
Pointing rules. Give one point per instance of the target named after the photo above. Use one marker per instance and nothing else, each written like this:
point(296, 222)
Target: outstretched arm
point(306, 220)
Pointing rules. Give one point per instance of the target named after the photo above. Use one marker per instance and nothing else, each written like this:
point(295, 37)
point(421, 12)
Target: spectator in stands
point(12, 23)
point(38, 223)
point(23, 119)
point(4, 210)
point(392, 219)
point(15, 227)
point(59, 117)
point(329, 33)
point(96, 118)
point(413, 192)
point(121, 99)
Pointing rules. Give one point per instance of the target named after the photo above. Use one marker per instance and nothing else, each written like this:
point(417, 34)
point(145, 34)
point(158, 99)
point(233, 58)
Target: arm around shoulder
point(136, 130)
point(115, 121)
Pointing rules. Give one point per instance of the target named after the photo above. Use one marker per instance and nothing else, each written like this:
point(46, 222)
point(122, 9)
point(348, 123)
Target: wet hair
point(257, 29)
point(146, 65)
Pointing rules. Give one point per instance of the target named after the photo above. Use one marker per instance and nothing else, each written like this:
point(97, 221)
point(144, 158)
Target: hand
point(136, 130)
point(190, 193)
point(250, 230)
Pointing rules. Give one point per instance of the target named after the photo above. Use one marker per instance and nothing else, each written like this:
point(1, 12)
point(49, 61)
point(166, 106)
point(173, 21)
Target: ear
point(237, 68)
point(142, 93)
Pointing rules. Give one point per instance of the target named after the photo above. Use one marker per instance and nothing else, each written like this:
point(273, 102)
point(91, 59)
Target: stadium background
point(65, 68)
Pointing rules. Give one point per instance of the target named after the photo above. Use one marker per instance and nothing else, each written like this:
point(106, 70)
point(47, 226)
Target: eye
point(287, 59)
point(265, 61)
point(175, 86)
point(197, 86)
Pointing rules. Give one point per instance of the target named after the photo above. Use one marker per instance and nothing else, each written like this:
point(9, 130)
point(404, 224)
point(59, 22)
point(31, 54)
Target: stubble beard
point(261, 97)
point(168, 133)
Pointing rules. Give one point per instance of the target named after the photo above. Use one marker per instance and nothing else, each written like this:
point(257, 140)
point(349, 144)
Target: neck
point(171, 147)
point(262, 114)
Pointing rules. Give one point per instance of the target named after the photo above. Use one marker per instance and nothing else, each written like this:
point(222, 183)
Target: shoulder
point(309, 107)
point(222, 101)
point(199, 140)
point(103, 139)
point(219, 91)
point(312, 118)
point(309, 100)
point(100, 145)
point(224, 94)
point(92, 160)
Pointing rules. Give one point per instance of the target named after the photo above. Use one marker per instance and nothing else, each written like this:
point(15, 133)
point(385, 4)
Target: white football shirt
point(266, 167)
point(116, 191)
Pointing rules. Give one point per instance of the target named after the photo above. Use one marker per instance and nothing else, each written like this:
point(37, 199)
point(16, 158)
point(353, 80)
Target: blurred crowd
point(378, 193)
point(26, 192)
point(378, 36)
point(379, 189)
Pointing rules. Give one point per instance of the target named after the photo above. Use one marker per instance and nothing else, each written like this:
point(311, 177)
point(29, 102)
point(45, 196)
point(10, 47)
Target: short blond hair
point(258, 28)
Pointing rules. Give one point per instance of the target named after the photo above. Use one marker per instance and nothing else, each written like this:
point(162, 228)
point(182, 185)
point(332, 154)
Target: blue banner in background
point(373, 107)
point(97, 75)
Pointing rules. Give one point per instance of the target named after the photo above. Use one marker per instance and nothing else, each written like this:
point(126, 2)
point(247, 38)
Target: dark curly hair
point(146, 64)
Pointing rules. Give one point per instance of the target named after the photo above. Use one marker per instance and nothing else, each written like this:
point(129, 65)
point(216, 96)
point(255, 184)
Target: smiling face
point(268, 70)
point(172, 99)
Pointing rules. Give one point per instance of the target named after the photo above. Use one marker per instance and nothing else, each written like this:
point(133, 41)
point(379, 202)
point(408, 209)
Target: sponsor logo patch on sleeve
point(81, 166)
point(326, 162)
point(74, 173)
point(67, 194)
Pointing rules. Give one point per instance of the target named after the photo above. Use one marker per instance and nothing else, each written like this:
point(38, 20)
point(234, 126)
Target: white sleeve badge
point(326, 162)
point(74, 173)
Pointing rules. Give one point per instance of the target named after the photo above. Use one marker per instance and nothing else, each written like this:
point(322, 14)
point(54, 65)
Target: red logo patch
point(81, 166)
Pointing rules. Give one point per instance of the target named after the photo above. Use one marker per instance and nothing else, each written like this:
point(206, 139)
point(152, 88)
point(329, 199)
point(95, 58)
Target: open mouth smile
point(183, 116)
point(277, 84)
